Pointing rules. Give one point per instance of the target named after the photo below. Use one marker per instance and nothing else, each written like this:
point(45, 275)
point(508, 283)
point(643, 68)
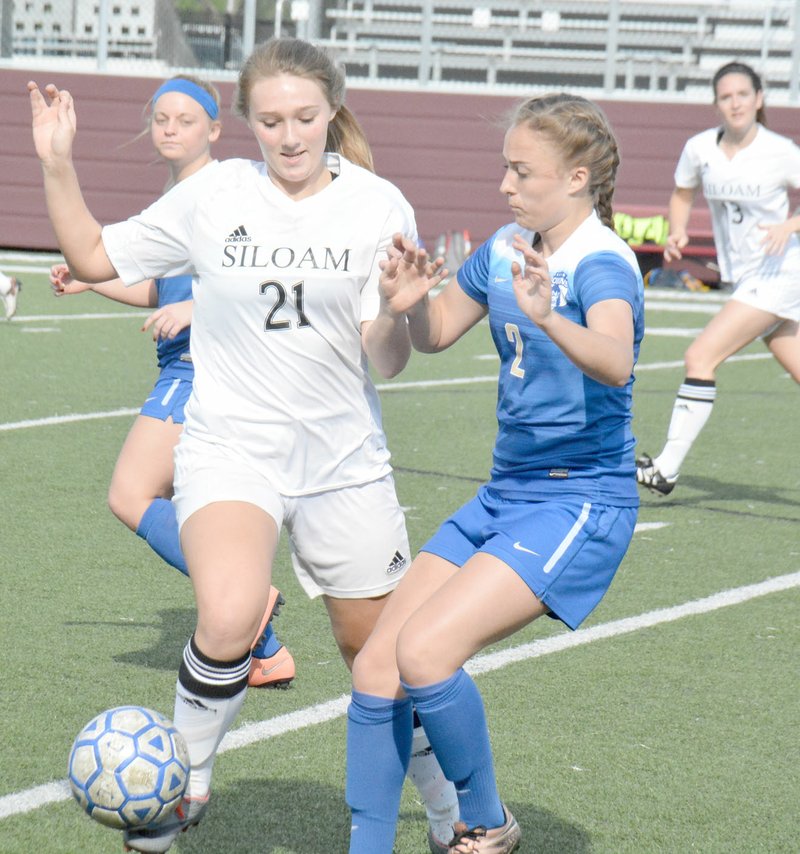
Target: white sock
point(690, 412)
point(437, 792)
point(201, 719)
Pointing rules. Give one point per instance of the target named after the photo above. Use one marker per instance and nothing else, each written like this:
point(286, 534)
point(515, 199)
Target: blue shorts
point(567, 551)
point(167, 399)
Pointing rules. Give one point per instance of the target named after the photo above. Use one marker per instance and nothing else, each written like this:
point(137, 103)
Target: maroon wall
point(443, 151)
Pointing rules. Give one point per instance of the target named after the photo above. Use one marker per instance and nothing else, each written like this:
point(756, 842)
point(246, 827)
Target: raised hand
point(408, 274)
point(54, 123)
point(533, 287)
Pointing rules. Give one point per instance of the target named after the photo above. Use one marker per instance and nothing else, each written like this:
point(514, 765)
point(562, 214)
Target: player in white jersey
point(564, 298)
point(283, 425)
point(9, 288)
point(182, 123)
point(744, 171)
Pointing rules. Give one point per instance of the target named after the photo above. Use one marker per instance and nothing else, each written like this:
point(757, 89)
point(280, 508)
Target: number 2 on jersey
point(514, 336)
point(277, 291)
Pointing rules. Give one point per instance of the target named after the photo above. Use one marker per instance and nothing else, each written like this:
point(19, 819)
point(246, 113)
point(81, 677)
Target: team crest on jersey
point(560, 282)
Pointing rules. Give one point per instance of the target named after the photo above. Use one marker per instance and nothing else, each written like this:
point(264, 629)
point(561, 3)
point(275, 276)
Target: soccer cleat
point(436, 845)
point(274, 603)
point(277, 671)
point(10, 299)
point(649, 476)
point(479, 840)
point(157, 838)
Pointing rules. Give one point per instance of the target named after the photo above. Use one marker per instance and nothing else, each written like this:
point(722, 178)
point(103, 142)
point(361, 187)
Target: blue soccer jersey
point(170, 350)
point(560, 433)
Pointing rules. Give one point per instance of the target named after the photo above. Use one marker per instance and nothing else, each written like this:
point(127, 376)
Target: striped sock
point(208, 696)
point(690, 412)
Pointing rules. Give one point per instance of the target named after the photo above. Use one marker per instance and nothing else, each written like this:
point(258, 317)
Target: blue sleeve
point(473, 274)
point(606, 275)
point(174, 289)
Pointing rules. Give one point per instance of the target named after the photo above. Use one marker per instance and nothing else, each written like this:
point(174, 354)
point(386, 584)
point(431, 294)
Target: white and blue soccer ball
point(129, 767)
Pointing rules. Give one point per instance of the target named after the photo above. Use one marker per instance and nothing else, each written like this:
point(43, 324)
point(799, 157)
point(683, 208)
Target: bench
point(699, 256)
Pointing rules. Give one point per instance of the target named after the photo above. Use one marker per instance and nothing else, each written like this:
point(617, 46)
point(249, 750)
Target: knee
point(375, 667)
point(127, 503)
point(414, 658)
point(118, 504)
point(224, 634)
point(694, 361)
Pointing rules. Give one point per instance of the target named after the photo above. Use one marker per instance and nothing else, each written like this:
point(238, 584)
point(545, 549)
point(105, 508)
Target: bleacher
point(653, 46)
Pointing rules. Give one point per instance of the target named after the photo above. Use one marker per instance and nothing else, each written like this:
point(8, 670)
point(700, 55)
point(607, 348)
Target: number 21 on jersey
point(276, 291)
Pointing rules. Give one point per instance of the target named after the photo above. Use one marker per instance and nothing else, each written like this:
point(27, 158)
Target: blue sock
point(268, 645)
point(159, 529)
point(453, 716)
point(379, 734)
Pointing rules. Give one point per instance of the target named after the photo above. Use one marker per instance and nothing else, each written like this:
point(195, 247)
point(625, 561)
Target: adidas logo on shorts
point(396, 564)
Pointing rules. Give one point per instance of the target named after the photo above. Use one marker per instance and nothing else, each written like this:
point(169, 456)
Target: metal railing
point(620, 48)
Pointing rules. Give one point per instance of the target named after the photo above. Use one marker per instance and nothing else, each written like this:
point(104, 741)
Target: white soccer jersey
point(742, 193)
point(282, 288)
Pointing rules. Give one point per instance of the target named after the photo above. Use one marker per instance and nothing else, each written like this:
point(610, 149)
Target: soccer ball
point(129, 767)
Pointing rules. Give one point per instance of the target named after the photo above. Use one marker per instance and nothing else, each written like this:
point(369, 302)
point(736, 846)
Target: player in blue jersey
point(564, 299)
point(183, 123)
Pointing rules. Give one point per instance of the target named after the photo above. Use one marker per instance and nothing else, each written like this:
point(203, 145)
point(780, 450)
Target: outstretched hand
point(408, 274)
point(62, 283)
point(533, 287)
point(54, 123)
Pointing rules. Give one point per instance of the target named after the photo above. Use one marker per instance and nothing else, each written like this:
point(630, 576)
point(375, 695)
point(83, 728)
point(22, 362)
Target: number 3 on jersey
point(276, 291)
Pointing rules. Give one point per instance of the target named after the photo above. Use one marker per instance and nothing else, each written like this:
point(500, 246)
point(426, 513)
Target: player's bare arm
point(54, 125)
point(680, 206)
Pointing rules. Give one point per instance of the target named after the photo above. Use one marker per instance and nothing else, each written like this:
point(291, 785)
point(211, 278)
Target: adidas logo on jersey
point(238, 235)
point(396, 564)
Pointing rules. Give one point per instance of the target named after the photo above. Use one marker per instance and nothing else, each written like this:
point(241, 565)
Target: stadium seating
point(652, 46)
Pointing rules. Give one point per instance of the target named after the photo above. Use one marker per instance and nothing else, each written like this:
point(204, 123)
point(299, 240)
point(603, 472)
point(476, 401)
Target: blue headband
point(198, 93)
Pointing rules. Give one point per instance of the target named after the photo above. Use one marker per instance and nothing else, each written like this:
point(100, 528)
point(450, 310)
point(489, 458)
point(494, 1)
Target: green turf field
point(668, 724)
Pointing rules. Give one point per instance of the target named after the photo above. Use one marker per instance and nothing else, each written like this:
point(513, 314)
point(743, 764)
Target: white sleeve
point(687, 172)
point(156, 242)
point(793, 165)
point(400, 218)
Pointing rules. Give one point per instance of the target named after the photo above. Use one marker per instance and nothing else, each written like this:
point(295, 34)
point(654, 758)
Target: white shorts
point(779, 295)
point(348, 543)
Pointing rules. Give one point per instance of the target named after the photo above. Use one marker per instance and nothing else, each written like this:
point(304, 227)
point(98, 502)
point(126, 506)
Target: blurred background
point(430, 80)
point(618, 48)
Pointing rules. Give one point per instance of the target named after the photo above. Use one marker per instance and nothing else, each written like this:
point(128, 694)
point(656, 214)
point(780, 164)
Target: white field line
point(65, 419)
point(384, 387)
point(46, 318)
point(38, 796)
point(671, 332)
